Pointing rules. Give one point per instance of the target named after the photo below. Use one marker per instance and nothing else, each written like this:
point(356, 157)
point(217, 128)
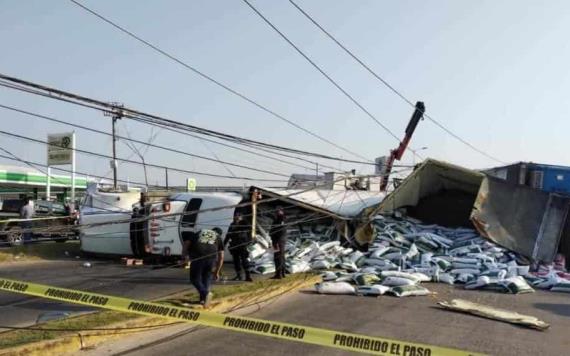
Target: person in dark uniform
point(137, 227)
point(239, 238)
point(278, 235)
point(205, 250)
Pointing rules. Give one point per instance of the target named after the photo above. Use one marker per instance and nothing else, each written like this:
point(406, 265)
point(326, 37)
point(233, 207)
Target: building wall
point(539, 176)
point(554, 179)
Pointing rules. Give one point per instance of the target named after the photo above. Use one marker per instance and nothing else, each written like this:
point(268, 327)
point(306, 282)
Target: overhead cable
point(214, 81)
point(327, 76)
point(318, 68)
point(29, 113)
point(174, 169)
point(110, 108)
point(148, 144)
point(391, 87)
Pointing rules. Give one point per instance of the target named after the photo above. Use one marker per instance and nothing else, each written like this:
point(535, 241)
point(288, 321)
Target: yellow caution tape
point(292, 332)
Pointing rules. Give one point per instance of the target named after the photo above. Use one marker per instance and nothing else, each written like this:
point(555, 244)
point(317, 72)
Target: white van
point(162, 233)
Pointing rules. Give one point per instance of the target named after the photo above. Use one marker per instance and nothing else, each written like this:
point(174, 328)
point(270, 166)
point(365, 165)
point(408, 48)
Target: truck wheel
point(14, 236)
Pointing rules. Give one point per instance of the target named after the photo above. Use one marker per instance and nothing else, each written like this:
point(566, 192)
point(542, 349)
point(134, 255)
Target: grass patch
point(224, 291)
point(89, 321)
point(40, 251)
point(104, 319)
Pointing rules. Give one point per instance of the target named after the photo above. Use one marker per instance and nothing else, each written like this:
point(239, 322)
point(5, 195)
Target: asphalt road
point(413, 319)
point(107, 277)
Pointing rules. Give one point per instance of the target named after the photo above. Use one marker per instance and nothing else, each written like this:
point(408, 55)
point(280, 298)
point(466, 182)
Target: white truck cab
point(184, 212)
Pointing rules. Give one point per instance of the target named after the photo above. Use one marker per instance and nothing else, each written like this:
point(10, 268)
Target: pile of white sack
point(406, 253)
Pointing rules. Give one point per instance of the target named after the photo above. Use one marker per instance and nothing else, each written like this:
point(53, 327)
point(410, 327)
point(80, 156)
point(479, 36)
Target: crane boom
point(396, 154)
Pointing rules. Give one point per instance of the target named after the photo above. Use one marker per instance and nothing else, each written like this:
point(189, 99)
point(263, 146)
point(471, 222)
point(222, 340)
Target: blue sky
point(494, 72)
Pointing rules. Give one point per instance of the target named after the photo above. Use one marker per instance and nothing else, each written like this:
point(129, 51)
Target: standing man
point(205, 250)
point(239, 238)
point(279, 238)
point(27, 212)
point(137, 227)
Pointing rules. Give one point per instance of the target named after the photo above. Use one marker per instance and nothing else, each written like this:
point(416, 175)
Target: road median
point(87, 331)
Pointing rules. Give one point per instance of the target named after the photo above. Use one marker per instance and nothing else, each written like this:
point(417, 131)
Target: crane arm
point(396, 154)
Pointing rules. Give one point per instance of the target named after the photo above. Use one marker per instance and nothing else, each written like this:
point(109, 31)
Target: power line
point(139, 163)
point(17, 136)
point(59, 121)
point(212, 80)
point(233, 206)
point(318, 68)
point(110, 108)
point(256, 147)
point(148, 144)
point(194, 212)
point(167, 124)
point(137, 151)
point(267, 150)
point(225, 166)
point(242, 149)
point(389, 86)
point(165, 128)
point(328, 77)
point(54, 179)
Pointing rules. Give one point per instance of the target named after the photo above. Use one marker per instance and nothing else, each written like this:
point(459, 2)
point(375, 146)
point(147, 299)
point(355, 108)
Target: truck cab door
point(188, 220)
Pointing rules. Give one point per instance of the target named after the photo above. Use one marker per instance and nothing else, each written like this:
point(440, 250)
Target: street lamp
point(414, 153)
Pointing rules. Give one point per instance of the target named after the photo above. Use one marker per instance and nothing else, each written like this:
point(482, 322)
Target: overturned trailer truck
point(530, 222)
point(159, 228)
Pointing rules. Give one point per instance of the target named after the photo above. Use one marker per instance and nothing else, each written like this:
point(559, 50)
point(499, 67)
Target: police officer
point(138, 225)
point(238, 237)
point(205, 250)
point(278, 234)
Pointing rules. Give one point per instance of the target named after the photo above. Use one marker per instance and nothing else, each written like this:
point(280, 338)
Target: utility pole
point(166, 171)
point(116, 115)
point(254, 198)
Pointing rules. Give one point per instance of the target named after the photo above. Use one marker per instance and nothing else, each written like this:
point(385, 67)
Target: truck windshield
point(189, 218)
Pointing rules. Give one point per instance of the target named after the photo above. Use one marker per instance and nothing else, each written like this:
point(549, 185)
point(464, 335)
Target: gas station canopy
point(22, 177)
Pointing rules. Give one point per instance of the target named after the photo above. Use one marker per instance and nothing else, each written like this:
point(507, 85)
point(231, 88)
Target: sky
point(493, 72)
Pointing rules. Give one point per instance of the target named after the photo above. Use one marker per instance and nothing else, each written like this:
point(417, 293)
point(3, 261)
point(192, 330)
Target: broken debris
point(485, 311)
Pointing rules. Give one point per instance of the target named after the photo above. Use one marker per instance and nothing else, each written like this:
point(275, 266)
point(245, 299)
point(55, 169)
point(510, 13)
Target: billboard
point(60, 148)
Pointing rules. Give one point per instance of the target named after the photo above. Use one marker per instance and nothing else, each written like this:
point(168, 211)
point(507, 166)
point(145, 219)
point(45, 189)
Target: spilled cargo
point(406, 253)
